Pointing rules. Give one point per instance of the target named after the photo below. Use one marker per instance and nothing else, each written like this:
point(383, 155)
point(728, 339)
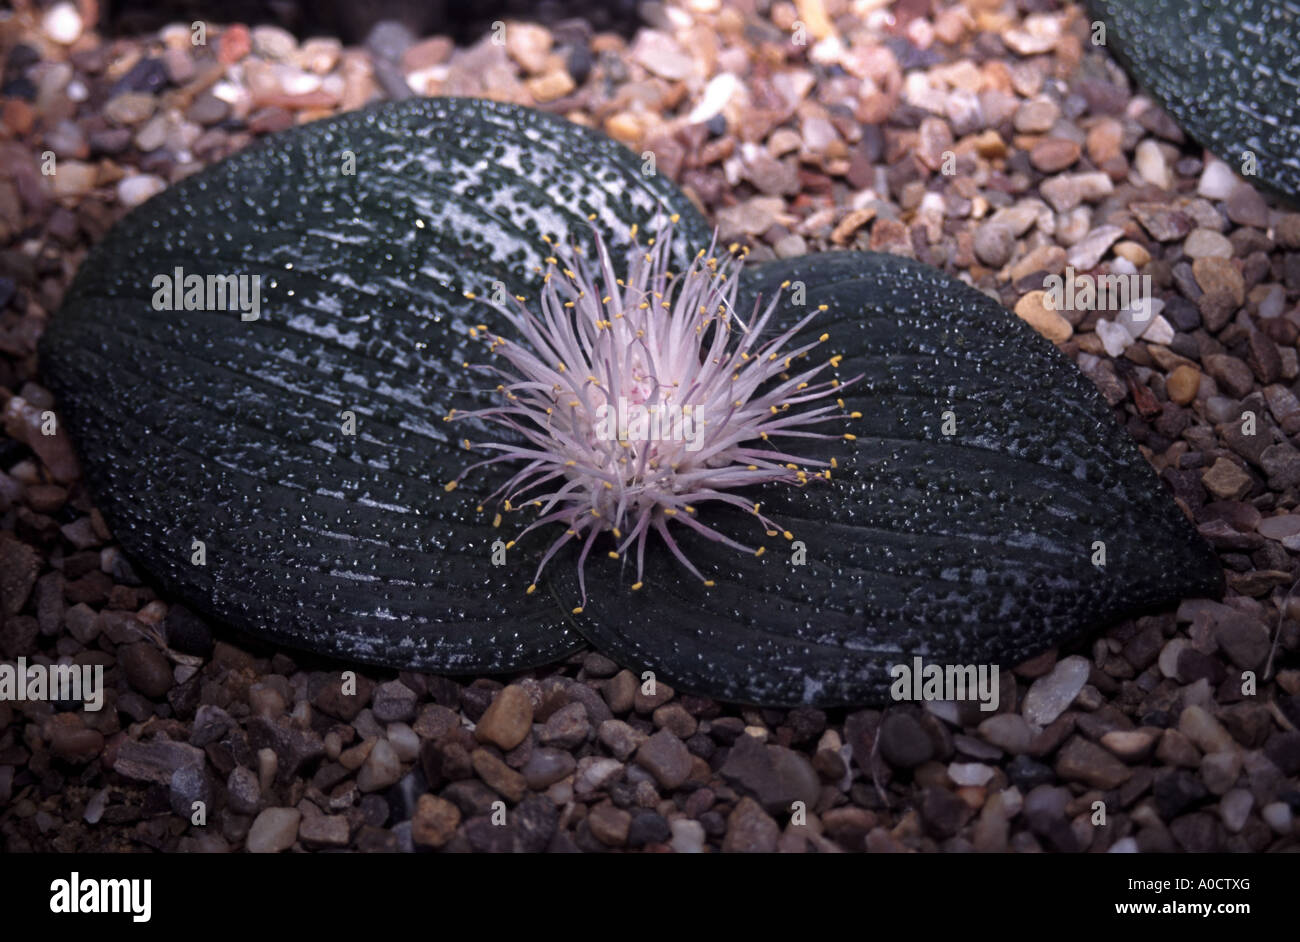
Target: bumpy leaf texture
point(195, 425)
point(974, 547)
point(1227, 72)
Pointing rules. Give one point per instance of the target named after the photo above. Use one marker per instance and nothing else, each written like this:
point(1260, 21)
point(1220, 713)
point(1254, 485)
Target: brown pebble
point(1263, 357)
point(498, 776)
point(935, 141)
point(1033, 310)
point(75, 743)
point(609, 824)
point(435, 51)
point(620, 691)
point(1219, 274)
point(554, 84)
point(990, 145)
point(45, 498)
point(1232, 375)
point(146, 669)
point(1182, 384)
point(434, 822)
point(1036, 115)
point(1105, 140)
point(236, 42)
point(1287, 232)
point(1045, 258)
point(1225, 480)
point(1054, 154)
point(850, 224)
point(624, 127)
point(507, 720)
point(1135, 253)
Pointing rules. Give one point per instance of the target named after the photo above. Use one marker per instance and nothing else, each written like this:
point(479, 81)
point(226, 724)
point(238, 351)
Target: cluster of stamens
point(705, 411)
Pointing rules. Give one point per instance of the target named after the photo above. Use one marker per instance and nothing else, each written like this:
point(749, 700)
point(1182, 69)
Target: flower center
point(639, 398)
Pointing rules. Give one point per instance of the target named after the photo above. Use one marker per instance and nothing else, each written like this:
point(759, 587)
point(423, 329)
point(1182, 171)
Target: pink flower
point(641, 400)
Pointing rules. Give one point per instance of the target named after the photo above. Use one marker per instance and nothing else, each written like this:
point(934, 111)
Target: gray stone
point(750, 830)
point(381, 769)
point(242, 791)
point(273, 831)
point(566, 728)
point(665, 757)
point(156, 761)
point(774, 775)
point(1051, 695)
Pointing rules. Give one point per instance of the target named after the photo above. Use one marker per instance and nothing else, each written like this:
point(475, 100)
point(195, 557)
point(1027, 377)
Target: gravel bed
point(989, 139)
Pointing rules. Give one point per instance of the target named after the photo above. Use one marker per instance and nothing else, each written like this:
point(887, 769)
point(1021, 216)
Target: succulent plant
point(278, 457)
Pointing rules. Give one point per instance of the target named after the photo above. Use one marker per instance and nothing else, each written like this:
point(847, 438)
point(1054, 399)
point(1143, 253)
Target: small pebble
point(134, 190)
point(1051, 695)
point(62, 23)
point(273, 831)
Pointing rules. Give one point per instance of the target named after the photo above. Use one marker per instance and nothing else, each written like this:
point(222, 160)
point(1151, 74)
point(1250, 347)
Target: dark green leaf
point(199, 425)
point(1228, 74)
point(963, 549)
